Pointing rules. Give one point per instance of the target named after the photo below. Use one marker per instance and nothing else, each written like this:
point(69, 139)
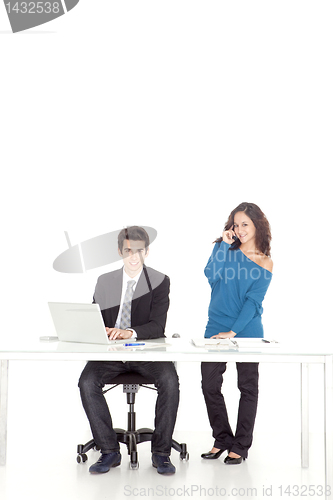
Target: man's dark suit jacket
point(150, 301)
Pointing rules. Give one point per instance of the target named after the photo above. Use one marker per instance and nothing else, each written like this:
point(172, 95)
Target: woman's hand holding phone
point(228, 236)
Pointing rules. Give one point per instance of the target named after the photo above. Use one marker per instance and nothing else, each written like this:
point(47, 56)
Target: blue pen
point(134, 344)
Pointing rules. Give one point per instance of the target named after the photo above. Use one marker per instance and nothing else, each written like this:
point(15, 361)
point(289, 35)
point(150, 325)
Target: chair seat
point(132, 378)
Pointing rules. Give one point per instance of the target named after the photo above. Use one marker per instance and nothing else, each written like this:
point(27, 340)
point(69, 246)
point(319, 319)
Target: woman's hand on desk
point(117, 333)
point(224, 335)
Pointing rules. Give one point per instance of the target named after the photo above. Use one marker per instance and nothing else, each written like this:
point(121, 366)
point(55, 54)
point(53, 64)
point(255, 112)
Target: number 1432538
point(33, 7)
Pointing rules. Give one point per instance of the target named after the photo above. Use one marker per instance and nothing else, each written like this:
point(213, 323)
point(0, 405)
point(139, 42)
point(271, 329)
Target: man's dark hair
point(135, 233)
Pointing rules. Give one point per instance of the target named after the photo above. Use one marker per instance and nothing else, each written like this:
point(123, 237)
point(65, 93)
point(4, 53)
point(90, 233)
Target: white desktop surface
point(182, 350)
point(170, 349)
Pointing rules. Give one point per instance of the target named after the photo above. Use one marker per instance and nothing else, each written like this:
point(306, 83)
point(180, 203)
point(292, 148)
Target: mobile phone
point(234, 236)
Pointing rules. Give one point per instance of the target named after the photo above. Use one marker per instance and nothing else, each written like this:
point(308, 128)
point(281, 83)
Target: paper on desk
point(238, 343)
point(204, 342)
point(255, 343)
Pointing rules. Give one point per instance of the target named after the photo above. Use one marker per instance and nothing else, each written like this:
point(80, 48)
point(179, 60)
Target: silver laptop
point(80, 323)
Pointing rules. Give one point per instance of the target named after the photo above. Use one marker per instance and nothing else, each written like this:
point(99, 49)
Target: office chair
point(131, 381)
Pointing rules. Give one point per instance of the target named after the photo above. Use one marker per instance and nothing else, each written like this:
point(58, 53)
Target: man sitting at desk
point(134, 302)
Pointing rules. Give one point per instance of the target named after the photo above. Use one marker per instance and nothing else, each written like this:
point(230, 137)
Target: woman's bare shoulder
point(267, 263)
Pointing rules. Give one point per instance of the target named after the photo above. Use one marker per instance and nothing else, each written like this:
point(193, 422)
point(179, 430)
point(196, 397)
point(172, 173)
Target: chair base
point(132, 436)
point(131, 439)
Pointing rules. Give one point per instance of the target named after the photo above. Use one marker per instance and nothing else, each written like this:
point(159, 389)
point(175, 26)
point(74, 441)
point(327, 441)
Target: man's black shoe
point(163, 464)
point(105, 462)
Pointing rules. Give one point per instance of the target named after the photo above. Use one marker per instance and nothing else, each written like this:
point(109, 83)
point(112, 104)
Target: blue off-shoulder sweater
point(238, 288)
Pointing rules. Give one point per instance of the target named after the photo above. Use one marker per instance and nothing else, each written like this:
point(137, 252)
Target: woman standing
point(239, 272)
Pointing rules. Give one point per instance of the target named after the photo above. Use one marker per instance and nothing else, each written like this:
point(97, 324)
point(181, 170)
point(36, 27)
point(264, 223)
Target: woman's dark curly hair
point(263, 230)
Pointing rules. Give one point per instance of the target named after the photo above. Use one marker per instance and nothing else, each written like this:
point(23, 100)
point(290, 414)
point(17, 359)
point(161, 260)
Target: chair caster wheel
point(82, 457)
point(134, 464)
point(184, 453)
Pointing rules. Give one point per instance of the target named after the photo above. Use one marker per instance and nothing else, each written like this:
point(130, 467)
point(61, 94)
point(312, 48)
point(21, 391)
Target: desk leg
point(3, 409)
point(328, 418)
point(305, 414)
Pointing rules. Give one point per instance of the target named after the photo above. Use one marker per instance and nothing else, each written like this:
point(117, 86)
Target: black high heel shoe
point(233, 461)
point(212, 456)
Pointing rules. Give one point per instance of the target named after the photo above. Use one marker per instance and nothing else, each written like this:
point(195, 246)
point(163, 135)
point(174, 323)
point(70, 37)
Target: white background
point(167, 114)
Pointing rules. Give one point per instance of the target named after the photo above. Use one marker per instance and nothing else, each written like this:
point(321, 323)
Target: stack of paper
point(203, 342)
point(236, 343)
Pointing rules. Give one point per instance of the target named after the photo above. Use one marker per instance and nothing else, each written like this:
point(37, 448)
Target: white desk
point(181, 350)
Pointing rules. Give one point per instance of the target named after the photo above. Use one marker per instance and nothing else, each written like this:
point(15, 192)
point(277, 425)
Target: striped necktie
point(125, 320)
